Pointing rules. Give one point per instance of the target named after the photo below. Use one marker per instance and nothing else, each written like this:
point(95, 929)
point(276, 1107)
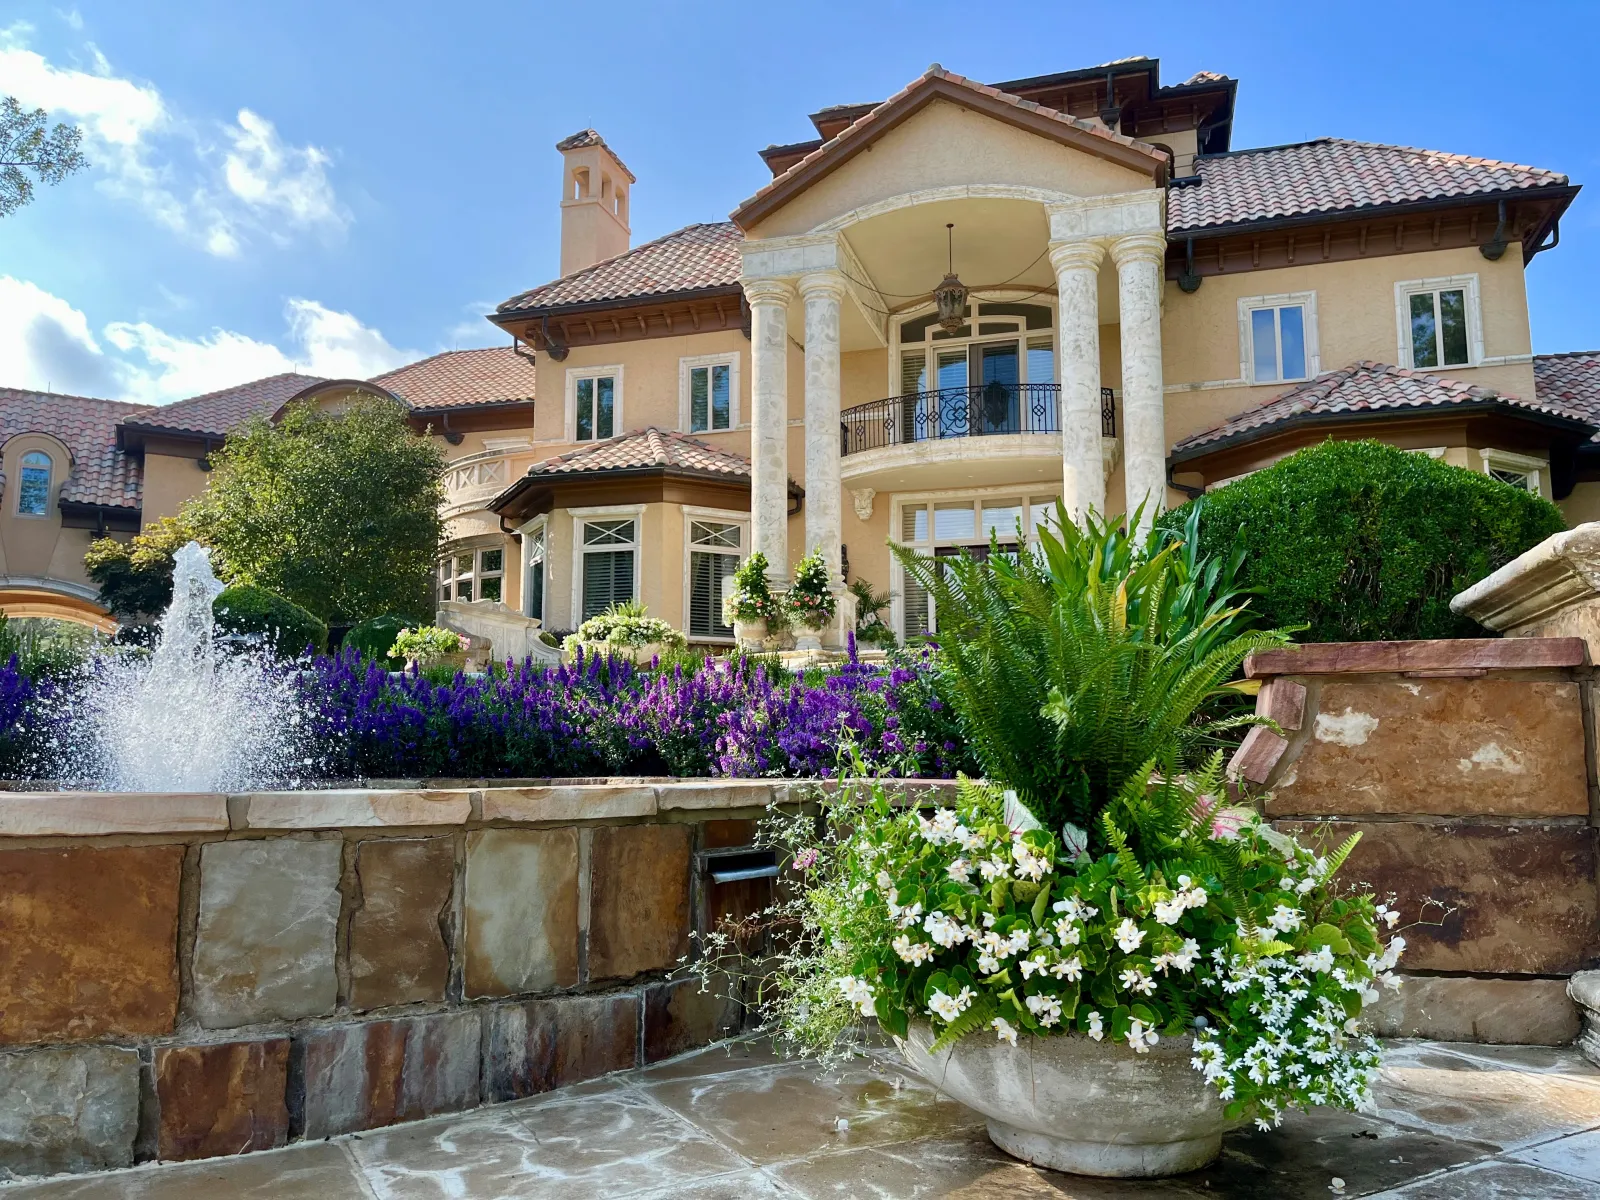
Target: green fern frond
point(978, 1014)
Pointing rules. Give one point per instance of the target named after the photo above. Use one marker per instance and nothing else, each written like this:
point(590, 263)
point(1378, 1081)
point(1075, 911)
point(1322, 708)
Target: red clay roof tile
point(644, 448)
point(462, 378)
point(691, 259)
point(101, 474)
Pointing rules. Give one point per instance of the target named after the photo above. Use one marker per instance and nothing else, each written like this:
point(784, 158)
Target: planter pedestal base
point(1111, 1160)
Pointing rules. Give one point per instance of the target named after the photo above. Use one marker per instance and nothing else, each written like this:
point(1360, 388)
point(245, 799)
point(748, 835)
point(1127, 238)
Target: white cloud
point(168, 166)
point(47, 343)
point(473, 330)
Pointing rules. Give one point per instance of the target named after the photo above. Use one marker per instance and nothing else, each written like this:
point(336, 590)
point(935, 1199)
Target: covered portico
point(845, 251)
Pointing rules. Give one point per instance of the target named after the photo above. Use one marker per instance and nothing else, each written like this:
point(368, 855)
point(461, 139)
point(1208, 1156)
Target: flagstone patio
point(1451, 1120)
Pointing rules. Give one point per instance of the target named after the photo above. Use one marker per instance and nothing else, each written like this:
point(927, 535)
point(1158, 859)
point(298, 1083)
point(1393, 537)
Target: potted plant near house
point(430, 646)
point(1092, 948)
point(749, 605)
point(811, 601)
point(628, 630)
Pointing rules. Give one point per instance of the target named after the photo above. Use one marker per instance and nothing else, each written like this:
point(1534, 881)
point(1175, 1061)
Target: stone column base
point(1584, 990)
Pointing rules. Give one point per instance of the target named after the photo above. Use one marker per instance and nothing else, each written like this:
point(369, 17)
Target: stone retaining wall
point(185, 976)
point(1469, 768)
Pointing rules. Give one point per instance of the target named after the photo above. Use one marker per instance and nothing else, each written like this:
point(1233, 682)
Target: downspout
point(1496, 246)
point(1189, 490)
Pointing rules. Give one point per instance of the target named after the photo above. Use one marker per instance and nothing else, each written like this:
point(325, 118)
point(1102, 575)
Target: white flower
point(946, 931)
point(1018, 941)
point(1320, 961)
point(1391, 953)
point(1004, 1030)
point(1074, 909)
point(1096, 1027)
point(941, 829)
point(1045, 1009)
point(912, 952)
point(988, 964)
point(1129, 935)
point(884, 882)
point(905, 918)
point(1028, 966)
point(960, 870)
point(1306, 884)
point(1029, 865)
point(859, 993)
point(1071, 968)
point(1284, 918)
point(948, 1008)
point(1069, 933)
point(1391, 916)
point(1184, 960)
point(1136, 980)
point(992, 868)
point(1168, 912)
point(1140, 1038)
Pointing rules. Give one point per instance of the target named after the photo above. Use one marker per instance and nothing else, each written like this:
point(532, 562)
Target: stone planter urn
point(1072, 1104)
point(456, 660)
point(808, 637)
point(750, 635)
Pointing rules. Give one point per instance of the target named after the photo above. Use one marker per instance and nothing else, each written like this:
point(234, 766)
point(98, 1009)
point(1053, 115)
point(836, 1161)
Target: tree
point(338, 512)
point(135, 577)
point(27, 146)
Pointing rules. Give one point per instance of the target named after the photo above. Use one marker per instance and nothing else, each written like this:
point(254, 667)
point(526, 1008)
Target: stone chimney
point(594, 201)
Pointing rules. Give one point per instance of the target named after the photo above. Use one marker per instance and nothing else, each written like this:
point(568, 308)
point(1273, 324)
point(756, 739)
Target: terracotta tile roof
point(1334, 175)
point(1365, 387)
point(866, 126)
point(694, 258)
point(1206, 77)
point(101, 474)
point(643, 449)
point(1570, 380)
point(462, 378)
point(215, 413)
point(588, 137)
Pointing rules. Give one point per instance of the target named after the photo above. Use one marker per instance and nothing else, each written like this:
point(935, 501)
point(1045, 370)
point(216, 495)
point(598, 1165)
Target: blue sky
point(342, 187)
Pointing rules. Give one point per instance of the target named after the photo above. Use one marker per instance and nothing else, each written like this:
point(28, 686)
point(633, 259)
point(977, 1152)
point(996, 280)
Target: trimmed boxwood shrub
point(1359, 541)
point(375, 636)
point(247, 609)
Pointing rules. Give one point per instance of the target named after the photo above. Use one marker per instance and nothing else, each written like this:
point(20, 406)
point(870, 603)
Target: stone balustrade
point(186, 976)
point(1468, 768)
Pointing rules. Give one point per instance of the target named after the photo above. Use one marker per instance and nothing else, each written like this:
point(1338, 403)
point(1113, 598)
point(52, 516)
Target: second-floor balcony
point(961, 412)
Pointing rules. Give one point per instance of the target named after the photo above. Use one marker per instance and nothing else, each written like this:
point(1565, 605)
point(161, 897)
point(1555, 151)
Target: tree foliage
point(29, 147)
point(338, 512)
point(1359, 541)
point(1074, 667)
point(135, 577)
point(281, 625)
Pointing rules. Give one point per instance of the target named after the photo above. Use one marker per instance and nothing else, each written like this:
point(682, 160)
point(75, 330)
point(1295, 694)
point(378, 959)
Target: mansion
point(946, 311)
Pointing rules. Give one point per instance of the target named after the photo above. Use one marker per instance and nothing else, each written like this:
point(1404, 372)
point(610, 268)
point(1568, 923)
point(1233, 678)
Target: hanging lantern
point(950, 297)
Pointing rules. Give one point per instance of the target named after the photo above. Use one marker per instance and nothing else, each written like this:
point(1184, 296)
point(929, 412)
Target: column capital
point(767, 291)
point(1085, 254)
point(821, 283)
point(1149, 246)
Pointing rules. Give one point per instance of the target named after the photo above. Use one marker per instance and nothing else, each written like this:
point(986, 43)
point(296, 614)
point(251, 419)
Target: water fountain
point(191, 715)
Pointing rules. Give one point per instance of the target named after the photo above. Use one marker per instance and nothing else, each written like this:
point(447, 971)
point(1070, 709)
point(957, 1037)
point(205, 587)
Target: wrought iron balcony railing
point(992, 408)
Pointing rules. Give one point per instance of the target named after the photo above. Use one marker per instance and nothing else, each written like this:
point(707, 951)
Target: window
point(714, 554)
point(472, 575)
point(983, 378)
point(708, 393)
point(1278, 338)
point(595, 400)
point(533, 543)
point(607, 548)
point(33, 490)
point(1439, 322)
point(1519, 470)
point(944, 528)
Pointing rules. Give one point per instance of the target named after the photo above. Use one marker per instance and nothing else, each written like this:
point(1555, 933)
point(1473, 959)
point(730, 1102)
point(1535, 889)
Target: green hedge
point(375, 636)
point(1360, 541)
point(246, 609)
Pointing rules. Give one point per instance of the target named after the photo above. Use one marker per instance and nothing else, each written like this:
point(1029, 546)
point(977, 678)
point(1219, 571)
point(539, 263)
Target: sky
point(340, 188)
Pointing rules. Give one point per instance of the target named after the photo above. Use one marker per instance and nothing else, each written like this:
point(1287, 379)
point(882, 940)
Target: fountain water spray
point(194, 715)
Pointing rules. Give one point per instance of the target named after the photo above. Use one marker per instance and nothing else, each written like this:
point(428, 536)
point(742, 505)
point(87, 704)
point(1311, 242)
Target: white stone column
point(1139, 258)
point(769, 423)
point(823, 293)
point(1077, 266)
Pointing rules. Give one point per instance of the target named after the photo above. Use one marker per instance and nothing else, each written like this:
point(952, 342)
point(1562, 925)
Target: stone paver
point(1453, 1120)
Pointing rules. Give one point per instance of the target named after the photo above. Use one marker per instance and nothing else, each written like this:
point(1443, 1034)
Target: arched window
point(33, 490)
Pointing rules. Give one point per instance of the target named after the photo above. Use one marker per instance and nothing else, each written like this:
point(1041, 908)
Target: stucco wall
point(169, 480)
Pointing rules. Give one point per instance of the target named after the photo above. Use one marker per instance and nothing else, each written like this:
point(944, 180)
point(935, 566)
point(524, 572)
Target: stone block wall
point(190, 976)
point(1468, 768)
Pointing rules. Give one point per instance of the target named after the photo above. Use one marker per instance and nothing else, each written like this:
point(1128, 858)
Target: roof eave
point(504, 317)
point(1299, 421)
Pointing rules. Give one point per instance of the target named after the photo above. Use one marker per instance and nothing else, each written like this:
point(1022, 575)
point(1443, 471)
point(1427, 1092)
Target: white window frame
point(538, 527)
point(601, 512)
point(686, 365)
point(727, 516)
point(1027, 494)
point(1507, 460)
point(1405, 289)
point(1247, 358)
point(49, 483)
point(477, 573)
point(574, 374)
point(987, 296)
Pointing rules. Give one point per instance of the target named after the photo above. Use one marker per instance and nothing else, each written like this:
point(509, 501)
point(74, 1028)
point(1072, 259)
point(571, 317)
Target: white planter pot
point(1071, 1104)
point(750, 634)
point(808, 637)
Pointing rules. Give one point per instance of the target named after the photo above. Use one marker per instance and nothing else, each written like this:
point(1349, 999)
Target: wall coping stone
point(1444, 654)
point(87, 814)
point(1560, 572)
point(353, 809)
